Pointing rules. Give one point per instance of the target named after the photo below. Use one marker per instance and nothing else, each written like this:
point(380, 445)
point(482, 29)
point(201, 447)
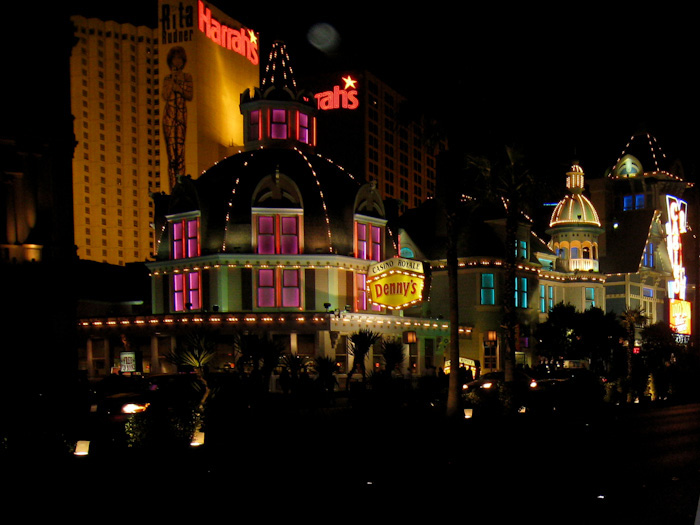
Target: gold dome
point(575, 208)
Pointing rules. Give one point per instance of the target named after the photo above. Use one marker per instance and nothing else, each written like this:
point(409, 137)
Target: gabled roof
point(625, 243)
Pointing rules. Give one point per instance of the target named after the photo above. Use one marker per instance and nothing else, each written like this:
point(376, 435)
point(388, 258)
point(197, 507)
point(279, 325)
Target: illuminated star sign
point(253, 38)
point(349, 82)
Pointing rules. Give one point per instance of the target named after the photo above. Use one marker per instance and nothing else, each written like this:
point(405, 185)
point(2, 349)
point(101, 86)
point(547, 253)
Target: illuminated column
point(89, 357)
point(155, 362)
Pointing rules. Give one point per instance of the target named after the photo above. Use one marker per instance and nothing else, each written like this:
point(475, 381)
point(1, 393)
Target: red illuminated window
point(368, 241)
point(278, 287)
point(255, 131)
point(278, 124)
point(277, 234)
point(185, 238)
point(187, 291)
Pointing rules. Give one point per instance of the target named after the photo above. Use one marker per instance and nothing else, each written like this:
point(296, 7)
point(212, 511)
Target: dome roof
point(288, 179)
point(575, 208)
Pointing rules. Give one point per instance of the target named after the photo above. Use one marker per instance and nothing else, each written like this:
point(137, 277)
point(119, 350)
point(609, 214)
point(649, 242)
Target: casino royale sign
point(396, 283)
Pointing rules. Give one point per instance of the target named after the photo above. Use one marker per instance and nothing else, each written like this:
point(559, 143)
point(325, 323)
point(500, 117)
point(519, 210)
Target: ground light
point(197, 439)
point(82, 448)
point(468, 412)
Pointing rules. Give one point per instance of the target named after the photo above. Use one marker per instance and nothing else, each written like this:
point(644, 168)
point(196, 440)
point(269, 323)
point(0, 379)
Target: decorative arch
point(277, 191)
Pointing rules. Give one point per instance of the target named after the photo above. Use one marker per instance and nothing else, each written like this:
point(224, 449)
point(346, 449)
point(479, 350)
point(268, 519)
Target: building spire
point(574, 178)
point(278, 71)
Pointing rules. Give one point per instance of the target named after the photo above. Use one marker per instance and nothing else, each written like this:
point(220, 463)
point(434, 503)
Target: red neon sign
point(242, 41)
point(338, 98)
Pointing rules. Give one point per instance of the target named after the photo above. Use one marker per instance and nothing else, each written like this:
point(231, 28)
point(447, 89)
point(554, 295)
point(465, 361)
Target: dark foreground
point(616, 465)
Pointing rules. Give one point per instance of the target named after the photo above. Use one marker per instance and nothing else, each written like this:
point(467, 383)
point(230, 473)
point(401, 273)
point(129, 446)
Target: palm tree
point(259, 351)
point(361, 343)
point(508, 180)
point(631, 319)
point(196, 350)
point(392, 350)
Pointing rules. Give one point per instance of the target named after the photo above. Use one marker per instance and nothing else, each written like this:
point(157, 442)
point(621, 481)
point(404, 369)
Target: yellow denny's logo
point(396, 283)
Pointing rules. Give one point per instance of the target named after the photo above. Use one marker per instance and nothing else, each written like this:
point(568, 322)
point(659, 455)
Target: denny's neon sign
point(337, 98)
point(396, 283)
point(242, 41)
point(677, 211)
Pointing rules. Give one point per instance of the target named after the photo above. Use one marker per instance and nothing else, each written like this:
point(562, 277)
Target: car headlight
point(134, 408)
point(533, 384)
point(487, 385)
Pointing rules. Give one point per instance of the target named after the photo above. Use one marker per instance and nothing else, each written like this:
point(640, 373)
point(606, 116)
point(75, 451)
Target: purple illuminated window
point(376, 243)
point(278, 234)
point(185, 241)
point(291, 295)
point(193, 292)
point(278, 125)
point(361, 285)
point(369, 241)
point(187, 291)
point(255, 125)
point(266, 288)
point(266, 234)
point(289, 238)
point(304, 128)
point(178, 245)
point(361, 251)
point(179, 292)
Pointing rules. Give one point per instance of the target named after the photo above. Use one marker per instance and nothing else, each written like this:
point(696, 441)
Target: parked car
point(572, 388)
point(492, 393)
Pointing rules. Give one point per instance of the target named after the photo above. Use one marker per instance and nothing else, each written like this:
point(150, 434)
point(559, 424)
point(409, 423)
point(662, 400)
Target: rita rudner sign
point(396, 283)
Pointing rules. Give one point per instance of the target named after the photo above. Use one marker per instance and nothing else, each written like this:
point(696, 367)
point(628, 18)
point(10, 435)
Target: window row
point(277, 234)
point(272, 288)
point(281, 124)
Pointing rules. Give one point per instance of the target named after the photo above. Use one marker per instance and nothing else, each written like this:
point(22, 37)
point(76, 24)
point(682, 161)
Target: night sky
point(563, 84)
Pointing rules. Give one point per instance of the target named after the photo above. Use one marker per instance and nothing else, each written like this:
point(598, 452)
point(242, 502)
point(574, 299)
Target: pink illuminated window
point(291, 294)
point(187, 291)
point(185, 238)
point(277, 234)
point(266, 234)
point(266, 288)
point(361, 244)
point(278, 124)
point(279, 288)
point(289, 236)
point(368, 241)
point(303, 126)
point(361, 285)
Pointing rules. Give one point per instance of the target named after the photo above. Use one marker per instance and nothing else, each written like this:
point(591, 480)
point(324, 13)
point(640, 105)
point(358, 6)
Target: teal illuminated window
point(543, 298)
point(521, 249)
point(488, 290)
point(521, 292)
point(590, 297)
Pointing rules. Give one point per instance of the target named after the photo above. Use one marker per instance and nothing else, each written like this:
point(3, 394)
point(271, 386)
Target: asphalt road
point(636, 465)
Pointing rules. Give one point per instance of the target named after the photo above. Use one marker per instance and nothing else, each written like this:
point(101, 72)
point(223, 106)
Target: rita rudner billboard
point(207, 59)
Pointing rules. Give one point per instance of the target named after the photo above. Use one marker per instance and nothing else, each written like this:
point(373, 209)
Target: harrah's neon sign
point(338, 98)
point(676, 225)
point(242, 41)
